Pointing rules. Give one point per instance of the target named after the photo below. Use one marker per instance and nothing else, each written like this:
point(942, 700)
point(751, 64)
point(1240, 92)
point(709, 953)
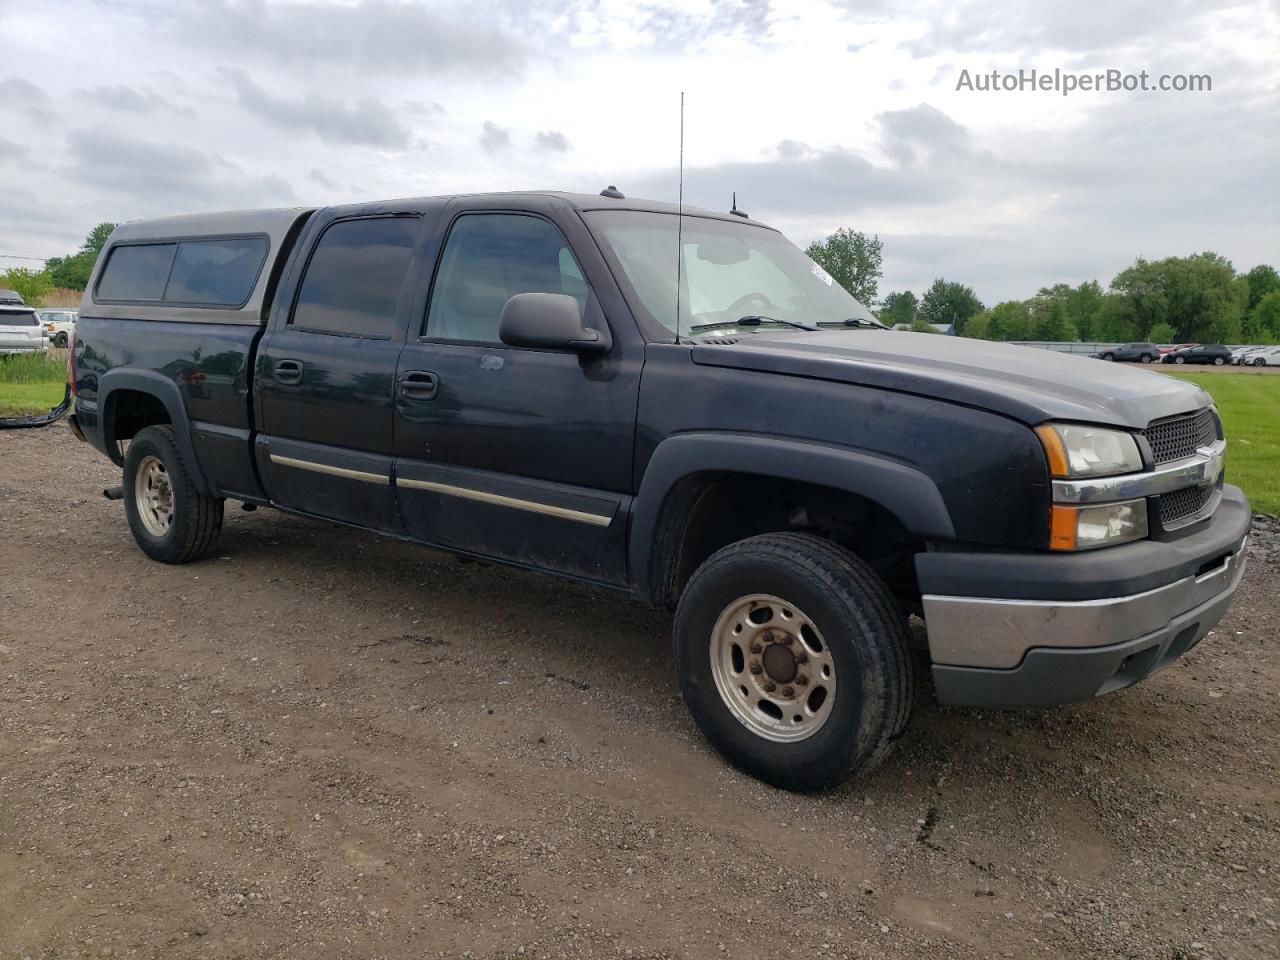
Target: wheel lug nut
point(770, 687)
point(802, 680)
point(757, 669)
point(756, 648)
point(802, 659)
point(788, 691)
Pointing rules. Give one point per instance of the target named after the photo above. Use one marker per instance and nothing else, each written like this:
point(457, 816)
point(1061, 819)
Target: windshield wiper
point(859, 322)
point(752, 320)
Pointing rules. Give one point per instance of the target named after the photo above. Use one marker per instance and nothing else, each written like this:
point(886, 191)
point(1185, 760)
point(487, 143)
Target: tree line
point(71, 272)
point(1200, 298)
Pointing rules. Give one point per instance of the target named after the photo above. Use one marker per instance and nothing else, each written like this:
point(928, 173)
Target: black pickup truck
point(686, 408)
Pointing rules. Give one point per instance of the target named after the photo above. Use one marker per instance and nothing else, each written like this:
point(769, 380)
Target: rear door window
point(354, 278)
point(137, 271)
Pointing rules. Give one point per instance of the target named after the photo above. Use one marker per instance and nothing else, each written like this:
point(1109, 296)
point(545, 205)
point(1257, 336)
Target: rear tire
point(170, 519)
point(1179, 359)
point(1108, 356)
point(60, 340)
point(1147, 358)
point(1218, 361)
point(836, 628)
point(1259, 362)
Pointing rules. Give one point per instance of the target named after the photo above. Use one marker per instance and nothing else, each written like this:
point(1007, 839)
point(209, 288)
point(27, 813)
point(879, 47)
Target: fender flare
point(166, 391)
point(904, 491)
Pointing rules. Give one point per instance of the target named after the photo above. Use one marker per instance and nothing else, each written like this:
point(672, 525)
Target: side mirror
point(548, 321)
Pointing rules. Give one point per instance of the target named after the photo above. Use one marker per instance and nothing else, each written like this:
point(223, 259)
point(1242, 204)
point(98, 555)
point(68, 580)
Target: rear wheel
point(793, 659)
point(1108, 356)
point(1147, 358)
point(1218, 361)
point(1260, 362)
point(60, 340)
point(1179, 359)
point(170, 519)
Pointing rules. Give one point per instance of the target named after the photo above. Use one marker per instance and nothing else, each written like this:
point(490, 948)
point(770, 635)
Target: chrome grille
point(1184, 503)
point(1178, 437)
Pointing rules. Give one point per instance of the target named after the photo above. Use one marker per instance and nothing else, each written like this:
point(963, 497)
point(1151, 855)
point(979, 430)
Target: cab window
point(488, 259)
point(353, 280)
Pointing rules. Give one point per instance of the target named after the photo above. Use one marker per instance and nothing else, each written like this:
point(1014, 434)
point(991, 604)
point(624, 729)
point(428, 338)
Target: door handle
point(418, 385)
point(288, 371)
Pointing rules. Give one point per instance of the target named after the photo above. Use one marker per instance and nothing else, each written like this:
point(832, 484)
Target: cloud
point(25, 96)
point(552, 140)
point(495, 138)
point(327, 182)
point(155, 177)
point(128, 100)
point(10, 150)
point(377, 35)
point(369, 122)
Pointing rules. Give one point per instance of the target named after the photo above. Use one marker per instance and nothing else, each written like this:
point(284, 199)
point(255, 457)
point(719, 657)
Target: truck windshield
point(733, 277)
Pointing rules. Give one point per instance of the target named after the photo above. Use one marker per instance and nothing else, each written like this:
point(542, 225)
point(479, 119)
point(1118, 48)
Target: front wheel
point(1259, 362)
point(1108, 356)
point(170, 519)
point(1217, 361)
point(793, 659)
point(1147, 358)
point(60, 340)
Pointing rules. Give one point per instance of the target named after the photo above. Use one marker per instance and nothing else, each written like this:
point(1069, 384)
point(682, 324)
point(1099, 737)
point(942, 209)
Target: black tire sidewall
point(157, 442)
point(821, 758)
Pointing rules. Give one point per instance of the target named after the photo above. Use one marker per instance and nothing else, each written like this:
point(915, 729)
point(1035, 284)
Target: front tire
point(819, 645)
point(170, 519)
point(1260, 362)
point(1147, 358)
point(1218, 361)
point(1108, 356)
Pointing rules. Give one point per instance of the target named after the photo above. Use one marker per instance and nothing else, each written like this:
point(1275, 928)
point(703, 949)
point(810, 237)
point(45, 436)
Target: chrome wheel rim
point(772, 668)
point(153, 496)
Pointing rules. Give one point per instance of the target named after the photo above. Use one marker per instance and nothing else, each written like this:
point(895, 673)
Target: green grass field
point(31, 383)
point(1250, 408)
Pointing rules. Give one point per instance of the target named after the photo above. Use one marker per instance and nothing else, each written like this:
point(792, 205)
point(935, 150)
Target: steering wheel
point(746, 298)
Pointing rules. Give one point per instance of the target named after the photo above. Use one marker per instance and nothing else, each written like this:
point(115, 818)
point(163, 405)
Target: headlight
point(1076, 450)
point(1082, 528)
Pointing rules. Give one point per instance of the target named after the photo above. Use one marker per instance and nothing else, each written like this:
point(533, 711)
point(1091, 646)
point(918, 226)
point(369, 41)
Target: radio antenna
point(680, 220)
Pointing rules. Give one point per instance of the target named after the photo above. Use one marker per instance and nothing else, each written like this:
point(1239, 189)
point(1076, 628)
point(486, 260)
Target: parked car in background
point(1173, 348)
point(1259, 357)
point(1214, 353)
point(1240, 352)
point(59, 325)
point(1130, 352)
point(20, 330)
point(11, 296)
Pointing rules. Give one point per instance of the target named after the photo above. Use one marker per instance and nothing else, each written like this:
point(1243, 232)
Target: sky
point(819, 114)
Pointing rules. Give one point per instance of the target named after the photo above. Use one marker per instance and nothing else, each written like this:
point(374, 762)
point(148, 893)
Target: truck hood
point(1025, 383)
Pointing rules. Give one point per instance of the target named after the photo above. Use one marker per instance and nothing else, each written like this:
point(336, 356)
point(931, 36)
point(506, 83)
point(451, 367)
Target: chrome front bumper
point(1073, 627)
point(996, 634)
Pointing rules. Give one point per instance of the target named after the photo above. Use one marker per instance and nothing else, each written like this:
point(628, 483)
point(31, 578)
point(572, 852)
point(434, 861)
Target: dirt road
point(320, 744)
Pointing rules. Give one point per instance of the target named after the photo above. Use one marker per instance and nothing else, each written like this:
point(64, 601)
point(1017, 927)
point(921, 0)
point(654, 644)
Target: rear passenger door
point(326, 369)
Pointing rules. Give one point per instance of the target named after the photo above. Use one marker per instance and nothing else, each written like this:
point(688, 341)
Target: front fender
point(902, 490)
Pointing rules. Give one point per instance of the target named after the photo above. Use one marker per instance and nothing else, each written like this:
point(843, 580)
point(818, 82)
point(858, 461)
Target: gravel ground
point(321, 744)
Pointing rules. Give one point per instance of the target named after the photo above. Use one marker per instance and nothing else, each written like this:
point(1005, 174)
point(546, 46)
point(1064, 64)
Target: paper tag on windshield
point(822, 274)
